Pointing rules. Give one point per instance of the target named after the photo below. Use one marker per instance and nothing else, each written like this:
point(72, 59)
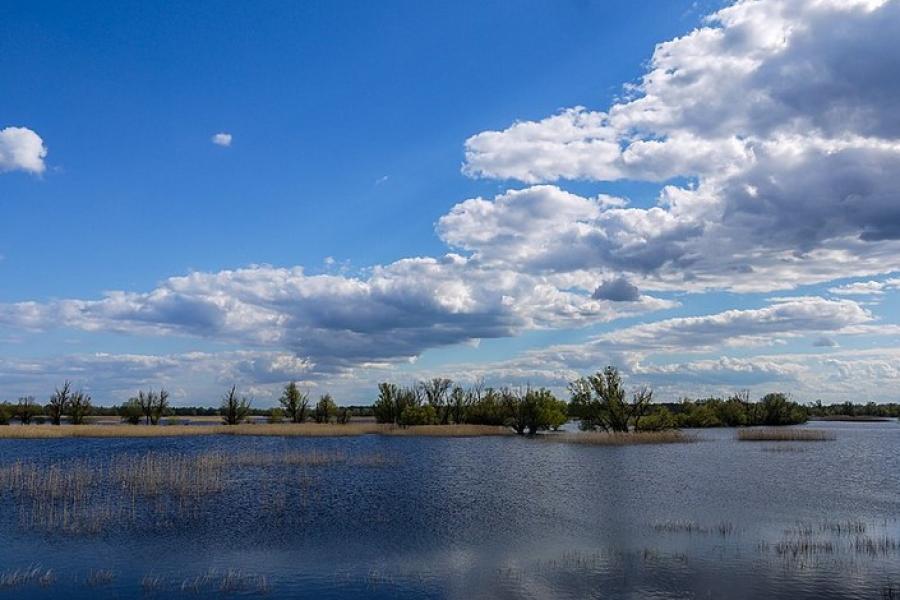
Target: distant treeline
point(598, 402)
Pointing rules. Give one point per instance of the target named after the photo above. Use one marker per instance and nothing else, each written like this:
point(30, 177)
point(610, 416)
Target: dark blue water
point(493, 518)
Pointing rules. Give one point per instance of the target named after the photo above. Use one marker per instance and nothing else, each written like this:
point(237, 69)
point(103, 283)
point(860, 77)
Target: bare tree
point(59, 403)
point(79, 407)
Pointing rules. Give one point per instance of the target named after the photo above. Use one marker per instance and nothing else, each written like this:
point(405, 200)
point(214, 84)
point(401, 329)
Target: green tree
point(131, 412)
point(276, 415)
point(435, 392)
point(326, 409)
point(234, 409)
point(26, 409)
point(294, 402)
point(79, 407)
point(599, 401)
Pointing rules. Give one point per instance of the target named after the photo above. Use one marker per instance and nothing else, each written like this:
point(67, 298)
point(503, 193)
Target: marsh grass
point(88, 497)
point(597, 438)
point(449, 430)
point(724, 528)
point(246, 429)
point(784, 435)
point(34, 574)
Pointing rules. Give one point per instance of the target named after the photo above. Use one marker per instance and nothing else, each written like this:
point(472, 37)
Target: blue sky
point(358, 133)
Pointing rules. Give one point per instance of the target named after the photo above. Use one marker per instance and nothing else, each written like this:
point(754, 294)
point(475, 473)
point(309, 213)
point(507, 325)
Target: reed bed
point(773, 434)
point(87, 497)
point(598, 438)
point(725, 528)
point(449, 431)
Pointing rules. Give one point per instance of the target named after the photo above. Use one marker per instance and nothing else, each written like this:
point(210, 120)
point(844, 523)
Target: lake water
point(493, 518)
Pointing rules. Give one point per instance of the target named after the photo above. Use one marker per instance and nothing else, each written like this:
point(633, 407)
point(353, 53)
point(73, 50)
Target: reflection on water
point(464, 518)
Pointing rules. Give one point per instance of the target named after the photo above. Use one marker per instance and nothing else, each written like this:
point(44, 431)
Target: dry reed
point(784, 435)
point(599, 438)
point(246, 429)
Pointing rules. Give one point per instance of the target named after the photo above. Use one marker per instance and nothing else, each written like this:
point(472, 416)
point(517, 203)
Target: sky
point(703, 194)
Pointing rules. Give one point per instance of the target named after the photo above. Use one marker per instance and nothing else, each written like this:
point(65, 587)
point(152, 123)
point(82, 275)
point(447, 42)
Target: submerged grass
point(784, 435)
point(87, 497)
point(598, 438)
point(246, 429)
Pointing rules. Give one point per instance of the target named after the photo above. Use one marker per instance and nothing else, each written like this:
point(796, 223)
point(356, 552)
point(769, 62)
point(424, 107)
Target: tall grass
point(87, 497)
point(597, 438)
point(784, 435)
point(449, 430)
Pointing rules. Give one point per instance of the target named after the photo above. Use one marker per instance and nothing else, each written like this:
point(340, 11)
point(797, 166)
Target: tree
point(533, 410)
point(435, 392)
point(276, 415)
point(159, 407)
point(343, 416)
point(599, 402)
point(131, 412)
point(294, 402)
point(234, 409)
point(325, 409)
point(26, 409)
point(59, 403)
point(385, 407)
point(457, 403)
point(79, 407)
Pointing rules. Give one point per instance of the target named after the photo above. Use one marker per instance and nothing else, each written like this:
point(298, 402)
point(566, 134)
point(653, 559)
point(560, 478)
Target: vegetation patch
point(603, 438)
point(784, 435)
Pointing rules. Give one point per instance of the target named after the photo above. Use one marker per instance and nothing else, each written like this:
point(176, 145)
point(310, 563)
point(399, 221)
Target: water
point(497, 518)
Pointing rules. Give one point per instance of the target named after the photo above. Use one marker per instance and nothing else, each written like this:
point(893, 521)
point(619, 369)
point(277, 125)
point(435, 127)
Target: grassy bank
point(263, 429)
point(784, 435)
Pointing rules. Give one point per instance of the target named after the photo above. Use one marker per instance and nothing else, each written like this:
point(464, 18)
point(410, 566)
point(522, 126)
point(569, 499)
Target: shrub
point(276, 415)
point(131, 412)
point(418, 415)
point(326, 409)
point(6, 413)
point(27, 409)
point(599, 401)
point(234, 409)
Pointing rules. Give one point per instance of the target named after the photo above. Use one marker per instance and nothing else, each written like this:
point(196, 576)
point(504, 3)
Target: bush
point(131, 412)
point(6, 413)
point(326, 409)
point(418, 415)
point(234, 410)
point(276, 415)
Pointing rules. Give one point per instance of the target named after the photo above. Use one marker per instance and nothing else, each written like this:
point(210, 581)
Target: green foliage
point(6, 413)
point(533, 411)
point(79, 407)
point(326, 409)
point(294, 402)
point(276, 415)
point(658, 419)
point(27, 409)
point(131, 412)
point(599, 401)
point(234, 409)
point(486, 408)
point(435, 392)
point(418, 414)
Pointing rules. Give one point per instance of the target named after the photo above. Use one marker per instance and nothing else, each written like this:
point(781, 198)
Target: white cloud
point(222, 139)
point(21, 149)
point(780, 115)
point(866, 288)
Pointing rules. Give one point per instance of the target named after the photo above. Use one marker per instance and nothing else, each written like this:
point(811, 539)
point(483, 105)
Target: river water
point(489, 517)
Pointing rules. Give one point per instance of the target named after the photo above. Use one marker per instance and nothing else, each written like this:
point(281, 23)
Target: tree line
point(598, 402)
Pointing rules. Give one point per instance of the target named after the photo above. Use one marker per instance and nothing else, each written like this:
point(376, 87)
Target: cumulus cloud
point(336, 321)
point(222, 139)
point(21, 149)
point(617, 290)
point(779, 116)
